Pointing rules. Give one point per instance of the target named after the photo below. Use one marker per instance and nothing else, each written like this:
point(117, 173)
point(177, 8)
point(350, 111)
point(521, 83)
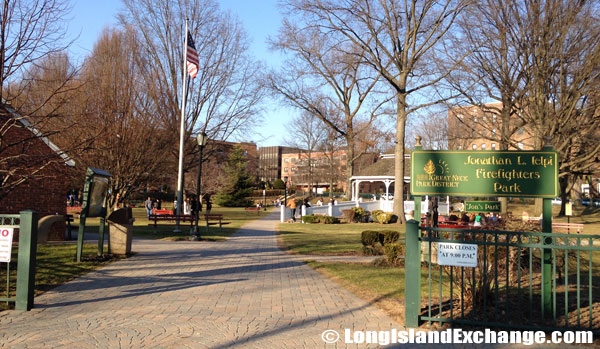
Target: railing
point(524, 280)
point(22, 292)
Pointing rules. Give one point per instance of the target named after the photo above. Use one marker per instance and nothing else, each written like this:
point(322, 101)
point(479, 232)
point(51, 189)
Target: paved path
point(243, 292)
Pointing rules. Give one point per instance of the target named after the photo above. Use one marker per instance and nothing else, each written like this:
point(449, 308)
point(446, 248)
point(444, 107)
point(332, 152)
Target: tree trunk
point(399, 159)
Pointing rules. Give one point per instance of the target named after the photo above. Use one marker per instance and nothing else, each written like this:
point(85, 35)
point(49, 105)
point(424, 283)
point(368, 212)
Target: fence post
point(547, 258)
point(412, 277)
point(26, 261)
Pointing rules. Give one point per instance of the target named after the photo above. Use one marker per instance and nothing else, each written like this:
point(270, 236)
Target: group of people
point(477, 220)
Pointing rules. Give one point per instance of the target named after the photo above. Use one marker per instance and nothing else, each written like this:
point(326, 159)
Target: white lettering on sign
point(456, 254)
point(6, 237)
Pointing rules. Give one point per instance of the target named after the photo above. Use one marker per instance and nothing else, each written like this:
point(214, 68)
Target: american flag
point(191, 57)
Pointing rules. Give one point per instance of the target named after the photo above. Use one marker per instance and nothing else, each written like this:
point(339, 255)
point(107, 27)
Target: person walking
point(148, 205)
point(292, 205)
point(208, 205)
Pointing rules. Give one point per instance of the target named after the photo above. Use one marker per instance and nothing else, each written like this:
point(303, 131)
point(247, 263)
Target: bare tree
point(326, 76)
point(396, 38)
point(35, 80)
point(490, 79)
point(223, 100)
point(562, 56)
point(129, 141)
point(307, 133)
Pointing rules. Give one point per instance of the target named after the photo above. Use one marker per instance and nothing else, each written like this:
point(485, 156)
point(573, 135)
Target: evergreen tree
point(238, 183)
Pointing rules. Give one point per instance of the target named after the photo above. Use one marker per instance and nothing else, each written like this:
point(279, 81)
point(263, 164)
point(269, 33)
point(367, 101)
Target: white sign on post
point(457, 254)
point(6, 237)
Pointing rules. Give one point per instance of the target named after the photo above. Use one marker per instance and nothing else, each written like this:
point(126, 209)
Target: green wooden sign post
point(480, 174)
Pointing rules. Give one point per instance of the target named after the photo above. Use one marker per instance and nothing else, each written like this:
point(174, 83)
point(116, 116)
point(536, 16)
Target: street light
point(285, 179)
point(202, 138)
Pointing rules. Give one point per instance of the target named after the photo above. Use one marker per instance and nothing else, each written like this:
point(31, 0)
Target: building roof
point(384, 166)
point(23, 120)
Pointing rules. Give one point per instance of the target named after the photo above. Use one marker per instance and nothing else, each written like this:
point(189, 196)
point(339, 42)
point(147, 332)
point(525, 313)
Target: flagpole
point(181, 134)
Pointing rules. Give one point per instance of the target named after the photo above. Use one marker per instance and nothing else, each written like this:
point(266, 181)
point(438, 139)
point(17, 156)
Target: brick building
point(471, 128)
point(39, 163)
point(270, 161)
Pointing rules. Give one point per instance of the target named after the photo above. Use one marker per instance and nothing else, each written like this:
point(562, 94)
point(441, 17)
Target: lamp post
point(285, 179)
point(202, 138)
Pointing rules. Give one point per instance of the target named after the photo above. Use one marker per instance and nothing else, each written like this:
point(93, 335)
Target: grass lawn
point(380, 286)
point(235, 216)
point(332, 239)
point(55, 266)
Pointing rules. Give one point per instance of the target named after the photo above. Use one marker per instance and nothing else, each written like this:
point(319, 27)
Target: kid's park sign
point(481, 173)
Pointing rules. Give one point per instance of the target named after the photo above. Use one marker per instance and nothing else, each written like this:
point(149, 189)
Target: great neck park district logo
point(438, 175)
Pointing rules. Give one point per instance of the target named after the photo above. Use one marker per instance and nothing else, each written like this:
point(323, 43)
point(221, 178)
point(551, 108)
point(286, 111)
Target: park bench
point(72, 210)
point(216, 217)
point(171, 217)
point(253, 208)
point(155, 211)
point(69, 220)
point(567, 227)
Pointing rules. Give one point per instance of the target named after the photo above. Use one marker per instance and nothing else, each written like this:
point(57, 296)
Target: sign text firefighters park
point(481, 173)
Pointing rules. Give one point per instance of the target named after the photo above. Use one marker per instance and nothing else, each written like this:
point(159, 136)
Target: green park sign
point(482, 206)
point(484, 173)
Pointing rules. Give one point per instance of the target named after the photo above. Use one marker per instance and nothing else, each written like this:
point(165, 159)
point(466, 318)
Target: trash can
point(120, 223)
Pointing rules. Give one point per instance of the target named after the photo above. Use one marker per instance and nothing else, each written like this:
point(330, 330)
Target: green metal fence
point(20, 289)
point(523, 280)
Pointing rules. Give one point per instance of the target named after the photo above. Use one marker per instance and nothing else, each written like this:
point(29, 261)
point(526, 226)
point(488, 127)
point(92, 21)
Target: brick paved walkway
point(243, 292)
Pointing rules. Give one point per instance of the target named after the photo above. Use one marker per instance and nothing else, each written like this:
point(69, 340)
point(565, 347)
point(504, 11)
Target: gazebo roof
point(384, 166)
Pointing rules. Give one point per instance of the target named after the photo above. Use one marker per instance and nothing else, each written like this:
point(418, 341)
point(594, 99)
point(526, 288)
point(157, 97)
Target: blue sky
point(259, 17)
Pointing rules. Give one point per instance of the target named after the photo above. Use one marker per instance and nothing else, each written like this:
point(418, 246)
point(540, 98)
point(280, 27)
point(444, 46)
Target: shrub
point(369, 237)
point(384, 217)
point(359, 213)
point(376, 213)
point(388, 237)
point(328, 220)
point(369, 251)
point(310, 219)
point(392, 252)
point(349, 215)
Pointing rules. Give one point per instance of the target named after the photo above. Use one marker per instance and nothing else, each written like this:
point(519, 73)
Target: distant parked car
point(388, 197)
point(588, 202)
point(556, 201)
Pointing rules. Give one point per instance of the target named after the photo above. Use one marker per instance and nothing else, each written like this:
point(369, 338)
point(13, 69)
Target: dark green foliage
point(238, 185)
point(329, 220)
point(388, 237)
point(310, 218)
point(369, 237)
point(393, 252)
point(278, 184)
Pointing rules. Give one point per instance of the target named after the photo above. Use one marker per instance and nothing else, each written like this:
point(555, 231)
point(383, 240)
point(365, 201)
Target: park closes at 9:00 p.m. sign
point(482, 173)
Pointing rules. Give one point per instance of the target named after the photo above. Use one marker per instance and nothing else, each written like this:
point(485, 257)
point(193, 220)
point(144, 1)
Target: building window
point(493, 146)
point(459, 116)
point(494, 131)
point(285, 169)
point(286, 160)
point(483, 146)
point(520, 145)
point(460, 147)
point(494, 118)
point(474, 146)
point(520, 131)
point(474, 119)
